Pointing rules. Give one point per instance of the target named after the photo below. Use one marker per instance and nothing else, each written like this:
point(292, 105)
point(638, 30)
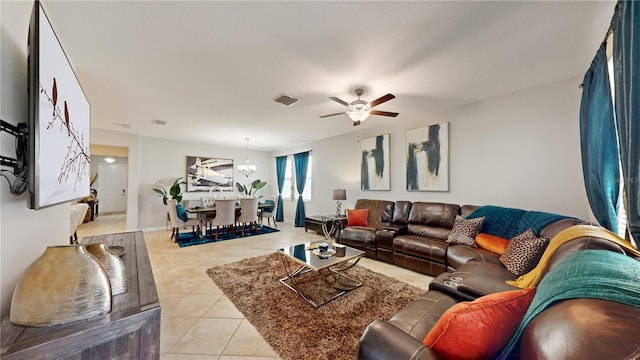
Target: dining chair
point(249, 213)
point(225, 216)
point(270, 212)
point(177, 223)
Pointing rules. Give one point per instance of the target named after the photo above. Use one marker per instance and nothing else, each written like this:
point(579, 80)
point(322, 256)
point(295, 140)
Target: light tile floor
point(198, 321)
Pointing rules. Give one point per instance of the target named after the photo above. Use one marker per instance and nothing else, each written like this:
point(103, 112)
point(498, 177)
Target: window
point(622, 214)
point(289, 190)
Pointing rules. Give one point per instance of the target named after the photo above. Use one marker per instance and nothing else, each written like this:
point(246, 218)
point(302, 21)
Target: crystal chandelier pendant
point(247, 168)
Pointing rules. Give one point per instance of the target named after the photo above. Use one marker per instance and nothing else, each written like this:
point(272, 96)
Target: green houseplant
point(175, 191)
point(251, 191)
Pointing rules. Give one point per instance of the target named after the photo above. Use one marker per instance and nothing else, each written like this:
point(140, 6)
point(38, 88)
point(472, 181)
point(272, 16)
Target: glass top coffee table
point(329, 282)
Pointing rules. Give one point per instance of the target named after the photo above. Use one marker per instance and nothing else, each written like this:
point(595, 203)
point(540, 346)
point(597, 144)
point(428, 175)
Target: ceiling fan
point(359, 109)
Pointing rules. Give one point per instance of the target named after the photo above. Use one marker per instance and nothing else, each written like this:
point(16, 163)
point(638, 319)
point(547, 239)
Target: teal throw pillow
point(182, 212)
point(269, 209)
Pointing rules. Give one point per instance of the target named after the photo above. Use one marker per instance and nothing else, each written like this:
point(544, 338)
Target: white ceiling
point(211, 69)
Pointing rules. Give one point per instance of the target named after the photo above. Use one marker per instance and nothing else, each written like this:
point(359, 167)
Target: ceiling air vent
point(158, 122)
point(124, 126)
point(285, 99)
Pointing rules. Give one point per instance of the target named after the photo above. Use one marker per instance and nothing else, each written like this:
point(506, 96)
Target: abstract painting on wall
point(428, 158)
point(209, 174)
point(374, 166)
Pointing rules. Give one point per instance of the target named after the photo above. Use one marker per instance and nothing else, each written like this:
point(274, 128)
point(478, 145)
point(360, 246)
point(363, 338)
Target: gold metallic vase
point(65, 284)
point(113, 264)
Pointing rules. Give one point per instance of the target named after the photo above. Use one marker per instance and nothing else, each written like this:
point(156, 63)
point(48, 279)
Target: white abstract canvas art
point(428, 158)
point(374, 164)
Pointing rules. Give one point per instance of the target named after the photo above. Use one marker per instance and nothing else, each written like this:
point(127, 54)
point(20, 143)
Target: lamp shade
point(339, 194)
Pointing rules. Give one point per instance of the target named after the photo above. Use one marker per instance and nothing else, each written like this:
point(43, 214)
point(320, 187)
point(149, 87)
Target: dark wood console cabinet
point(130, 331)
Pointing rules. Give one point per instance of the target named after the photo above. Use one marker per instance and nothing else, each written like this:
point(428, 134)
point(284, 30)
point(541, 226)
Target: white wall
point(24, 233)
point(520, 150)
point(166, 160)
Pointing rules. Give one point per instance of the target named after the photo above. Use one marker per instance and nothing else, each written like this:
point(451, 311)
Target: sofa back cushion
point(509, 222)
point(433, 214)
point(468, 209)
point(401, 211)
point(380, 211)
point(605, 330)
point(555, 227)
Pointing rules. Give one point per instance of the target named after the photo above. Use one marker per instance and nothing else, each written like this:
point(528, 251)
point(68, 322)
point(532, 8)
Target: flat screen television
point(59, 120)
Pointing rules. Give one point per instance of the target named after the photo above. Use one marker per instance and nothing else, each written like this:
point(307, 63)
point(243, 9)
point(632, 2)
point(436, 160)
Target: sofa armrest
point(395, 227)
point(384, 237)
point(481, 278)
point(383, 341)
point(339, 224)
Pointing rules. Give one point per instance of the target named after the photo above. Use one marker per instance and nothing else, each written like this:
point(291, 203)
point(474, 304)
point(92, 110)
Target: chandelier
point(247, 168)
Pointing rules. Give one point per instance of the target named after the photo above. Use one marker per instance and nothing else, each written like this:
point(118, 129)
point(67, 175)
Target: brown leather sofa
point(413, 235)
point(364, 237)
point(570, 329)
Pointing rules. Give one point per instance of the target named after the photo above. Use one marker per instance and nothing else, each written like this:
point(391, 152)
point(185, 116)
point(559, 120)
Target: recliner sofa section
point(364, 237)
point(424, 248)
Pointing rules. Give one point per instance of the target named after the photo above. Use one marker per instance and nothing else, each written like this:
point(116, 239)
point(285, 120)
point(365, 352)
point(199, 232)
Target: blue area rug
point(190, 238)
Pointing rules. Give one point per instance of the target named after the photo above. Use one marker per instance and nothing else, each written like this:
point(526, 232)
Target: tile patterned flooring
point(198, 321)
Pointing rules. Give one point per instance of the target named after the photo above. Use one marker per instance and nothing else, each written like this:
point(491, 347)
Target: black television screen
point(59, 120)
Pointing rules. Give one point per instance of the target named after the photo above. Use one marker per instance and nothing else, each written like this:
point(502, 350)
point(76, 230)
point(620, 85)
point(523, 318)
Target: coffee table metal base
point(341, 282)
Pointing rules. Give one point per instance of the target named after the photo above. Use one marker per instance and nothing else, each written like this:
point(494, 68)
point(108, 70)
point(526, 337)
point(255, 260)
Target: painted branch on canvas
point(428, 158)
point(374, 165)
point(209, 174)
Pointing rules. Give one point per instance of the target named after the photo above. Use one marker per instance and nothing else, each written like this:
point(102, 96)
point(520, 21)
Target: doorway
point(112, 187)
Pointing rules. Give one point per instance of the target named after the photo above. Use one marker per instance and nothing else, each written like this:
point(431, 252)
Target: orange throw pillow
point(481, 328)
point(492, 243)
point(357, 217)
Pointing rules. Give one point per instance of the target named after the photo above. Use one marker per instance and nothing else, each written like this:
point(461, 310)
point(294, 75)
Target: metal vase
point(113, 264)
point(66, 283)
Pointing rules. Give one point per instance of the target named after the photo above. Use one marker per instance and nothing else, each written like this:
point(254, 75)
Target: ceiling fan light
point(358, 114)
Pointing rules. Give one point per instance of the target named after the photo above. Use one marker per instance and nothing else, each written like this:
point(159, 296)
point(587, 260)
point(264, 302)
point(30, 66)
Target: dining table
point(202, 212)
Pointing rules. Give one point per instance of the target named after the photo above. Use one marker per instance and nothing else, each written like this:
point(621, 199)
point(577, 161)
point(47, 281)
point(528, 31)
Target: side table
point(322, 224)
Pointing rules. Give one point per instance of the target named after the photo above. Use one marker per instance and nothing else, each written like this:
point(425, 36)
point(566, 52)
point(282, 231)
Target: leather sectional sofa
point(412, 235)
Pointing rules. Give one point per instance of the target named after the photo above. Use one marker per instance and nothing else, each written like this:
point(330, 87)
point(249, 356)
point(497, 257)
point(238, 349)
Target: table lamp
point(339, 194)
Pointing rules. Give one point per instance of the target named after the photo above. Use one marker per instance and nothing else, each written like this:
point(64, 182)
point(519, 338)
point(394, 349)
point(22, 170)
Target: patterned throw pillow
point(523, 252)
point(464, 231)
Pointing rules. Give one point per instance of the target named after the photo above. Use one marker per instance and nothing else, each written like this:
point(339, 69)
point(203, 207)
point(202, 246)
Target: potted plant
point(251, 191)
point(174, 191)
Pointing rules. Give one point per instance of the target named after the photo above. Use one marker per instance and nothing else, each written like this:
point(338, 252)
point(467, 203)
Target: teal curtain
point(301, 160)
point(626, 65)
point(281, 165)
point(599, 144)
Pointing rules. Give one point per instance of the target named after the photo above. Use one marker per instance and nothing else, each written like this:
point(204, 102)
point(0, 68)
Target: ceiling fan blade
point(356, 123)
point(381, 99)
point(340, 113)
point(383, 113)
point(340, 101)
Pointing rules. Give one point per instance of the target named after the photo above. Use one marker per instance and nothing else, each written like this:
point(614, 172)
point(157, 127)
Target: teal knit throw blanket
point(597, 274)
point(508, 222)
